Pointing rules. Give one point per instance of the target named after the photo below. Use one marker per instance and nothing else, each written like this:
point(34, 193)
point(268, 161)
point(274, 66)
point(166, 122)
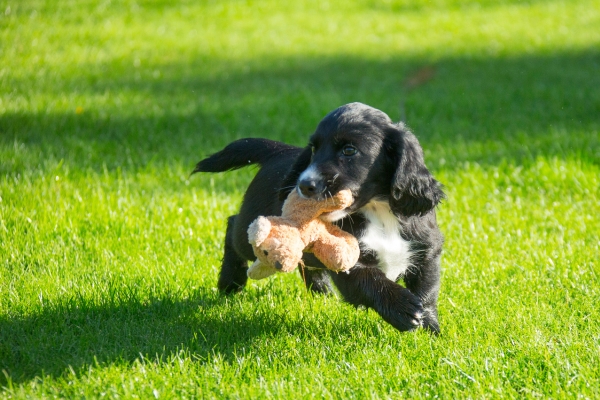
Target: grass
point(109, 251)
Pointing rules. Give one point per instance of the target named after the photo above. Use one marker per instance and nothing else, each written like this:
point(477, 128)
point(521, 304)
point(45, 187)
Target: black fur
point(359, 148)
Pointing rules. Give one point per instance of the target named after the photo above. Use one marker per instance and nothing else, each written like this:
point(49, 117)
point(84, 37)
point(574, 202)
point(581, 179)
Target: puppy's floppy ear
point(414, 189)
point(290, 180)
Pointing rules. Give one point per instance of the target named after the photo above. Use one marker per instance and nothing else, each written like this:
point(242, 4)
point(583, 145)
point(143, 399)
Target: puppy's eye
point(349, 151)
point(313, 149)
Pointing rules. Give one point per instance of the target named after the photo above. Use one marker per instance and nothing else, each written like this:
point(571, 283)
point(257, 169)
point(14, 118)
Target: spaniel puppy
point(359, 148)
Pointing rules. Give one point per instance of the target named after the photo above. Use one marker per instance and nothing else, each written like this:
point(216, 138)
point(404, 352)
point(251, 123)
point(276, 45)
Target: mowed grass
point(109, 250)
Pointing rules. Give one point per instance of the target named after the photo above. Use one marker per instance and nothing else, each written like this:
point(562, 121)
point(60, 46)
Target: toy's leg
point(258, 270)
point(232, 277)
point(338, 253)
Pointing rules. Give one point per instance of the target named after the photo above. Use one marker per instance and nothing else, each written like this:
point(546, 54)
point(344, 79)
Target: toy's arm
point(305, 209)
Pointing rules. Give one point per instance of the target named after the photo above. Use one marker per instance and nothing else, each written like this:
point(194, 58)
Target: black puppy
point(359, 148)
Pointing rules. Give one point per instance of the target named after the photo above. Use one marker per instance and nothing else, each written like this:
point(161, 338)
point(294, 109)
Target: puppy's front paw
point(402, 309)
point(430, 321)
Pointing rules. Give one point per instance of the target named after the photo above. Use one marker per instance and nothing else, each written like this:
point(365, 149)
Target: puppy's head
point(359, 148)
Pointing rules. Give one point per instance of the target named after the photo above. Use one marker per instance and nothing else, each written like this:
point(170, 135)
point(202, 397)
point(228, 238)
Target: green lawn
point(109, 251)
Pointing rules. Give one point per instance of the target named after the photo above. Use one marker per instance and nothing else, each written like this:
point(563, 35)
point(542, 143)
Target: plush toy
point(279, 242)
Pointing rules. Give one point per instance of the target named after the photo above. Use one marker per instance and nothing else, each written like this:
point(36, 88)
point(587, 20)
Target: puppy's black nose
point(308, 188)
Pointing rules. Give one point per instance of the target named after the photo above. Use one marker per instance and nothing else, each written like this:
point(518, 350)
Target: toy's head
point(279, 245)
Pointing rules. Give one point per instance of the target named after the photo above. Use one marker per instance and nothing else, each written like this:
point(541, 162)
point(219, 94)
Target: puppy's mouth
point(323, 195)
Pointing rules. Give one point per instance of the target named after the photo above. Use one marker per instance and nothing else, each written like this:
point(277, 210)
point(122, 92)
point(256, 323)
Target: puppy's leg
point(425, 283)
point(317, 278)
point(368, 286)
point(232, 277)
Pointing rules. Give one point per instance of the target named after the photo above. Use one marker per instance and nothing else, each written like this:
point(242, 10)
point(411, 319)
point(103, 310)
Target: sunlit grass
point(109, 250)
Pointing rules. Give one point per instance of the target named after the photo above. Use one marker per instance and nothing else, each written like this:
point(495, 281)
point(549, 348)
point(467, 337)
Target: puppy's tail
point(241, 153)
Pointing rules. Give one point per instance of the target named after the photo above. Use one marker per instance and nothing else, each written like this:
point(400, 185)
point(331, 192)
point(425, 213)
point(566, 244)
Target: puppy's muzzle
point(311, 183)
point(309, 188)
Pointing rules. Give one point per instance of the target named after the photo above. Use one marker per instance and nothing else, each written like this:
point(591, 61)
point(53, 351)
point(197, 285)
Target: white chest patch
point(382, 236)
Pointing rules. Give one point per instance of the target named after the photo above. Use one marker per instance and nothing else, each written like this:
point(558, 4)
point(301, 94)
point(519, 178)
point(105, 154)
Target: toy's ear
point(290, 180)
point(414, 190)
point(258, 231)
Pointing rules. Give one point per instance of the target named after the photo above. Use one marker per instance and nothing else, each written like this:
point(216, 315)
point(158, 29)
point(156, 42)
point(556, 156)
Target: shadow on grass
point(73, 335)
point(477, 110)
point(404, 6)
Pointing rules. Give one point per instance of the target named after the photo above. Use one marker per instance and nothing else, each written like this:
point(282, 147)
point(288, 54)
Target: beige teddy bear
point(279, 242)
